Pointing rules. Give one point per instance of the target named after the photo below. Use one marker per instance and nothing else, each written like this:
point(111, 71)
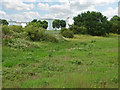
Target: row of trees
point(96, 24)
point(56, 23)
point(39, 23)
point(93, 23)
point(59, 23)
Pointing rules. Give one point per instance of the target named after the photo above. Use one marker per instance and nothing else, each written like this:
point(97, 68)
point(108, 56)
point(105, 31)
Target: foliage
point(68, 34)
point(62, 23)
point(38, 34)
point(115, 24)
point(16, 28)
point(59, 23)
point(52, 65)
point(62, 30)
point(56, 23)
point(34, 33)
point(39, 23)
point(45, 24)
point(3, 21)
point(34, 20)
point(95, 22)
point(78, 30)
point(5, 29)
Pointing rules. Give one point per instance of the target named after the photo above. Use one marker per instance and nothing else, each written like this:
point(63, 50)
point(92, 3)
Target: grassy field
point(82, 62)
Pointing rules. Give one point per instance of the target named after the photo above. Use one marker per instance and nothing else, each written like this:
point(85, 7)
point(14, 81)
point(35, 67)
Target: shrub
point(49, 37)
point(5, 30)
point(78, 30)
point(34, 33)
point(68, 34)
point(16, 28)
point(38, 34)
point(62, 30)
point(75, 29)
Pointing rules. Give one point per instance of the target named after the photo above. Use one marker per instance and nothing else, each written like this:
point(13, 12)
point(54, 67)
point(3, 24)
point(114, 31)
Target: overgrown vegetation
point(95, 22)
point(33, 57)
point(82, 62)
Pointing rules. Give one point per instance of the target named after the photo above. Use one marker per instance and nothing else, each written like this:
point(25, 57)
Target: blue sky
point(26, 10)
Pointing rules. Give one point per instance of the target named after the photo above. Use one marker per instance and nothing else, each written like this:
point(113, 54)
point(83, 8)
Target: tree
point(95, 23)
point(56, 23)
point(115, 24)
point(3, 21)
point(34, 20)
point(45, 24)
point(62, 23)
point(38, 23)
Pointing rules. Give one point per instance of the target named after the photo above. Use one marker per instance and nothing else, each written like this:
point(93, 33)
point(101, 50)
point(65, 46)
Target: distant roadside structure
point(49, 20)
point(23, 24)
point(119, 8)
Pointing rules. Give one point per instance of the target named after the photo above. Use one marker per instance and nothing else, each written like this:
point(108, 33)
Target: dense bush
point(78, 30)
point(5, 30)
point(16, 28)
point(38, 34)
point(68, 34)
point(34, 33)
point(62, 30)
point(95, 22)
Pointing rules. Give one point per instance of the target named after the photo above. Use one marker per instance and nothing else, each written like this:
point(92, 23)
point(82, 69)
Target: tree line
point(93, 23)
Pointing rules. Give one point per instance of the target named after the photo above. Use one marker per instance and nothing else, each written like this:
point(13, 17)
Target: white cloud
point(2, 14)
point(16, 5)
point(42, 6)
point(25, 16)
point(110, 12)
point(29, 0)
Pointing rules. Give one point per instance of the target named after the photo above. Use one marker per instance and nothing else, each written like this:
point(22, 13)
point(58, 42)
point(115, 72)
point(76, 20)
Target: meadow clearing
point(84, 61)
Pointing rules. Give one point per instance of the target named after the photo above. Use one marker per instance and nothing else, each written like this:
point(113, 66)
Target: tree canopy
point(39, 23)
point(95, 22)
point(4, 22)
point(59, 23)
point(115, 24)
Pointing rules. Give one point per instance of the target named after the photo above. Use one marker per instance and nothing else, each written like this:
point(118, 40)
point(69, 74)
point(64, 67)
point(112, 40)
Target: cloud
point(2, 14)
point(29, 0)
point(110, 12)
point(16, 5)
point(25, 16)
point(42, 6)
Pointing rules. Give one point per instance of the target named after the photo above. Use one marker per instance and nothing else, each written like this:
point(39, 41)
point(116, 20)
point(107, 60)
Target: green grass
point(82, 62)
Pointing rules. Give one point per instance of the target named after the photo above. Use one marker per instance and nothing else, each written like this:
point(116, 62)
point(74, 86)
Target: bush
point(68, 34)
point(62, 30)
point(16, 28)
point(51, 38)
point(5, 30)
point(34, 33)
point(78, 30)
point(38, 34)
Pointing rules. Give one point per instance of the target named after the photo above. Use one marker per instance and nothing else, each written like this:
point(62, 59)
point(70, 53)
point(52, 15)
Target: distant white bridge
point(49, 20)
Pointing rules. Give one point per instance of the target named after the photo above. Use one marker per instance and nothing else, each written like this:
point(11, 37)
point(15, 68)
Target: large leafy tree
point(95, 22)
point(45, 24)
point(56, 23)
point(62, 23)
point(115, 24)
point(4, 22)
point(39, 23)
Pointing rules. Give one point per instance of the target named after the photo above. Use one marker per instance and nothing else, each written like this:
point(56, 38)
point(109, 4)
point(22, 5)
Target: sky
point(27, 10)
